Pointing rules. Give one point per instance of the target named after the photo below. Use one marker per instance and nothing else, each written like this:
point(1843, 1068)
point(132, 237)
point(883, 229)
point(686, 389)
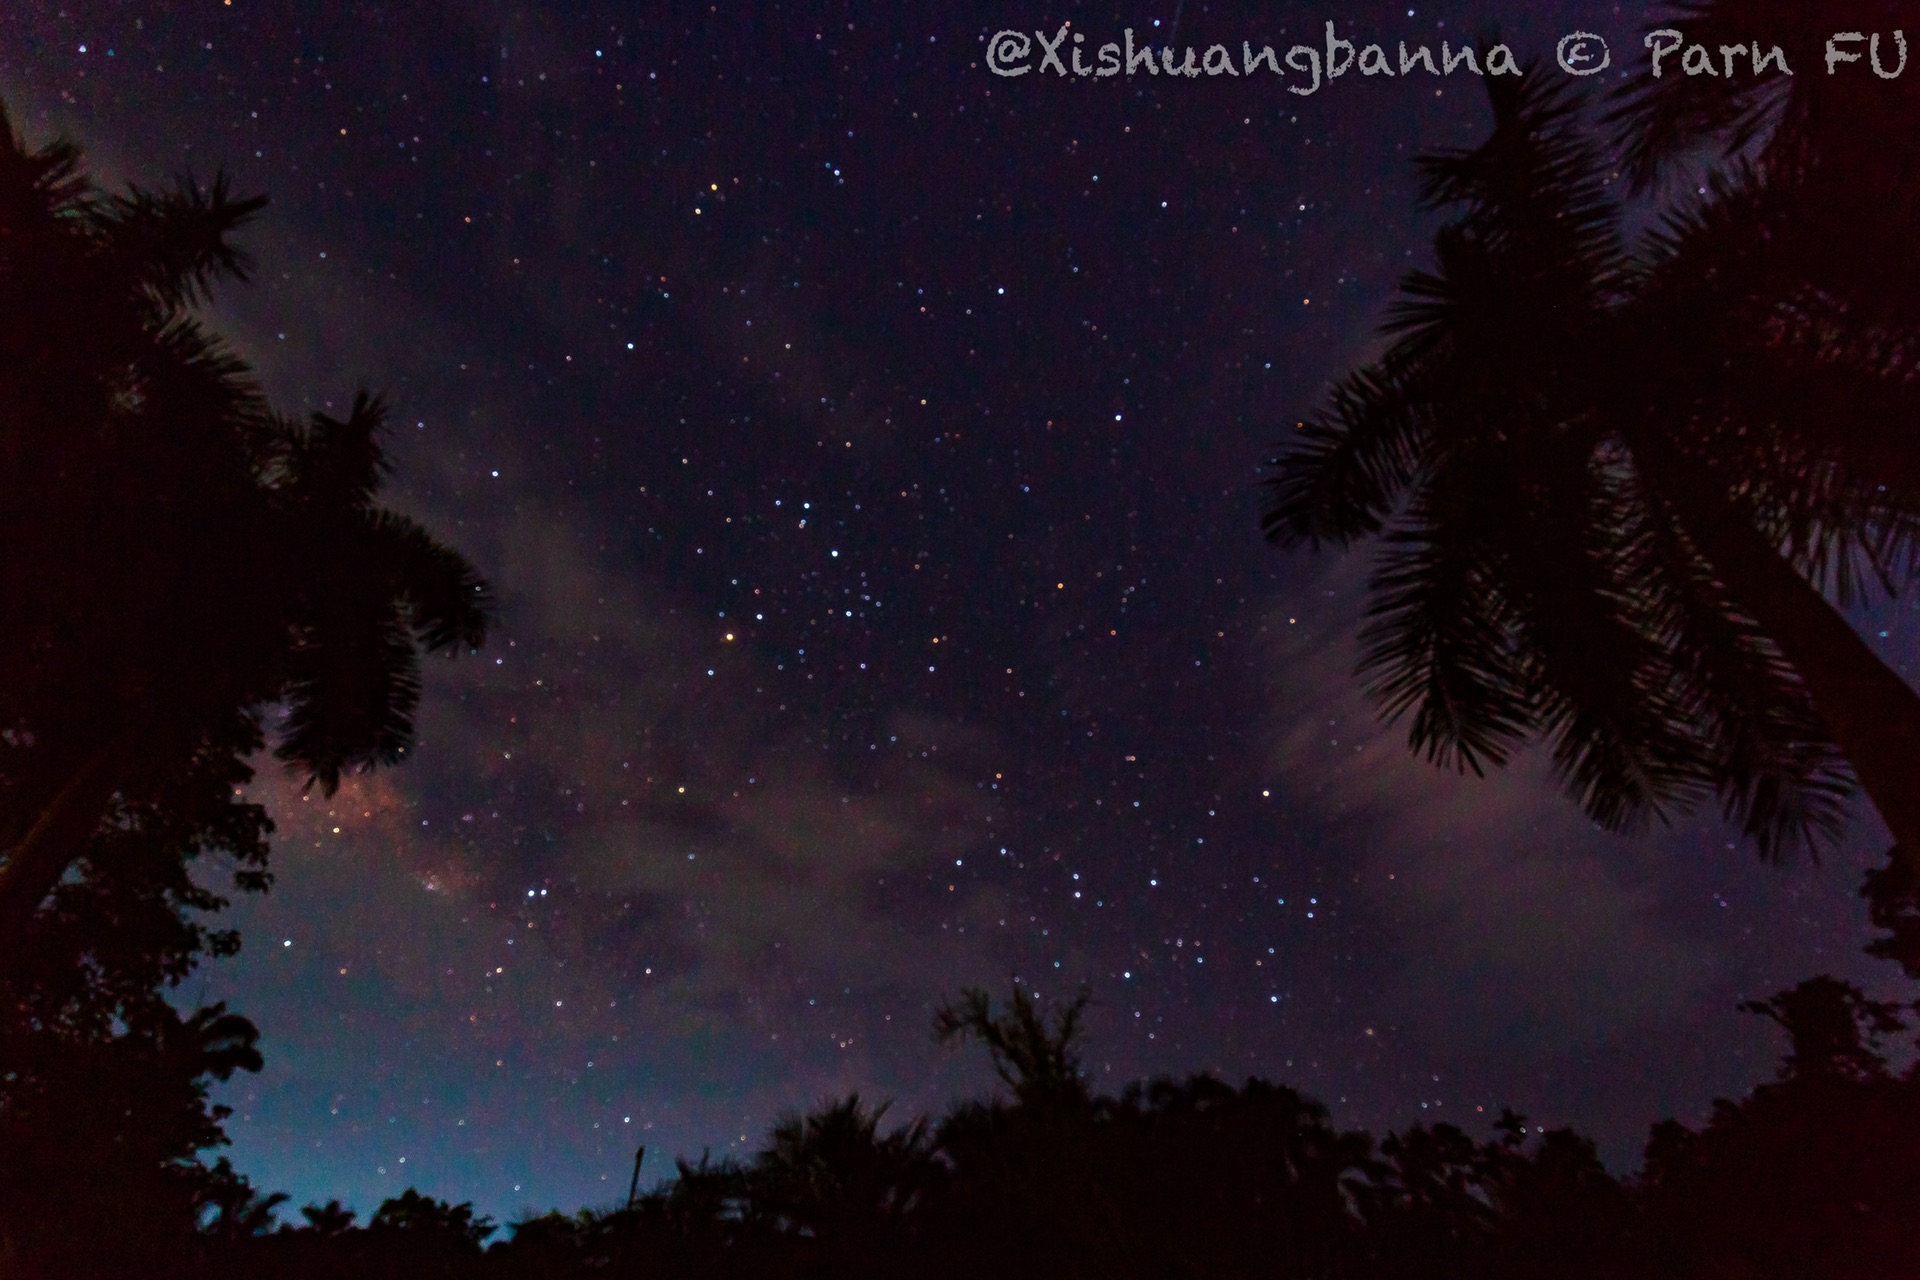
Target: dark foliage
point(1811, 1175)
point(104, 1114)
point(178, 561)
point(1623, 482)
point(1893, 902)
point(180, 567)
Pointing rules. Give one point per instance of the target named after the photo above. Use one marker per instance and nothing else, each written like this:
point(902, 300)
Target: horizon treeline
point(1812, 1174)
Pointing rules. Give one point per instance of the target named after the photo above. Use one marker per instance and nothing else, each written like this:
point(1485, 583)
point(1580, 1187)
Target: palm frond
point(1438, 643)
point(447, 604)
point(1348, 468)
point(1779, 777)
point(353, 685)
point(338, 463)
point(1586, 624)
point(1787, 123)
point(1537, 190)
point(41, 184)
point(1658, 123)
point(176, 244)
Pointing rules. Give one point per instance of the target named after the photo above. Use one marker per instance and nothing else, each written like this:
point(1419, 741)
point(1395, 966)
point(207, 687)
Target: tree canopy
point(1626, 485)
point(178, 559)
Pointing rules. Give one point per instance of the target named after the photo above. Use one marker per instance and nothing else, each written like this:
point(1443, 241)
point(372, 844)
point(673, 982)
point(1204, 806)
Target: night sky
point(867, 452)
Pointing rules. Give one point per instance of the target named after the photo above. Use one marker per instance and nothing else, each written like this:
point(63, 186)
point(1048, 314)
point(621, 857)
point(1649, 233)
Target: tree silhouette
point(1039, 1064)
point(1835, 151)
point(1209, 1180)
point(1813, 1174)
point(833, 1176)
point(104, 1112)
point(177, 559)
point(1893, 904)
point(1827, 178)
point(422, 1215)
point(329, 1219)
point(1609, 500)
point(1029, 1167)
point(1834, 1031)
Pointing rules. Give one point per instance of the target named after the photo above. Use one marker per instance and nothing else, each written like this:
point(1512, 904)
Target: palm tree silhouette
point(1608, 501)
point(1827, 179)
point(834, 1179)
point(177, 558)
point(1836, 149)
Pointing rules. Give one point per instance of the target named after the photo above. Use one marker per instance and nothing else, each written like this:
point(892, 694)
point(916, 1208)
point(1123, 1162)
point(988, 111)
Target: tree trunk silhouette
point(37, 860)
point(1873, 714)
